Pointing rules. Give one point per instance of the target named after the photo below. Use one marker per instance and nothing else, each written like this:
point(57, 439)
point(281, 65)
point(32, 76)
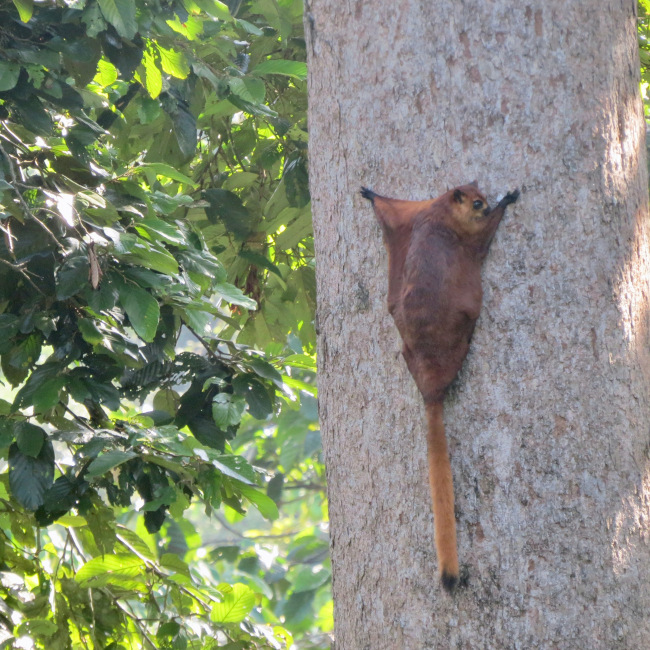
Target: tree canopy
point(156, 328)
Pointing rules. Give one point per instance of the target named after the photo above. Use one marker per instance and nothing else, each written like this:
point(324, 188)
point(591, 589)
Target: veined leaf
point(191, 28)
point(153, 76)
point(30, 477)
point(108, 461)
point(307, 578)
point(248, 89)
point(101, 570)
point(25, 9)
point(173, 62)
point(106, 73)
point(152, 256)
point(214, 8)
point(162, 169)
point(227, 409)
point(30, 439)
point(142, 309)
point(234, 295)
point(263, 503)
point(121, 14)
point(9, 73)
point(238, 600)
point(160, 229)
point(295, 69)
point(235, 467)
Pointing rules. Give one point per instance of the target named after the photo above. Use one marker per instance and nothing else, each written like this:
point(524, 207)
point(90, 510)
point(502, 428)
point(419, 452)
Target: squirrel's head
point(469, 209)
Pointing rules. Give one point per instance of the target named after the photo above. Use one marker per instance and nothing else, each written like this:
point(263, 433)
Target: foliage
point(155, 235)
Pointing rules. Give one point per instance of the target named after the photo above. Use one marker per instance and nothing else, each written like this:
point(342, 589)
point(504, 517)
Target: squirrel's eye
point(478, 205)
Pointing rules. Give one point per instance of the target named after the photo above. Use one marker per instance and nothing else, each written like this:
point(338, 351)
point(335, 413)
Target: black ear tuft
point(458, 196)
point(368, 194)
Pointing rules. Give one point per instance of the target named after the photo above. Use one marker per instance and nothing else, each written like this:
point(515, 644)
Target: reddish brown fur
point(435, 252)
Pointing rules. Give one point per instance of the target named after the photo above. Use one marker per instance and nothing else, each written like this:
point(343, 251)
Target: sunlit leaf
point(261, 501)
point(173, 62)
point(25, 9)
point(162, 169)
point(121, 14)
point(153, 75)
point(295, 69)
point(108, 569)
point(238, 600)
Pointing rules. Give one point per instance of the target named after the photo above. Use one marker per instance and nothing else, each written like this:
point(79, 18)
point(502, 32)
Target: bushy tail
point(442, 497)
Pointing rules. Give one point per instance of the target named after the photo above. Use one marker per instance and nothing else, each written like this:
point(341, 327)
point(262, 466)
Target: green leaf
point(108, 461)
point(101, 522)
point(235, 467)
point(227, 410)
point(8, 329)
point(26, 353)
point(295, 69)
point(173, 62)
point(72, 276)
point(106, 73)
point(234, 295)
point(121, 14)
point(30, 439)
point(152, 256)
point(238, 601)
point(250, 90)
point(174, 563)
point(267, 507)
point(162, 230)
point(25, 9)
point(89, 331)
point(108, 569)
point(37, 626)
point(249, 27)
point(214, 8)
point(9, 73)
point(260, 260)
point(228, 208)
point(266, 370)
point(142, 309)
point(191, 28)
point(260, 405)
point(308, 578)
point(30, 477)
point(167, 171)
point(153, 76)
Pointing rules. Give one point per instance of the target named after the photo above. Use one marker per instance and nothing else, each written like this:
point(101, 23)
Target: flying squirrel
point(435, 252)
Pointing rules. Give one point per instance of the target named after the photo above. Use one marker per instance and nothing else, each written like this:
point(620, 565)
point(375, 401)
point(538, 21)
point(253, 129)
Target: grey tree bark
point(549, 423)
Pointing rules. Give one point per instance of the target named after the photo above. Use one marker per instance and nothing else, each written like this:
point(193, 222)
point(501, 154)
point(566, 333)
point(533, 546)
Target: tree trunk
point(548, 424)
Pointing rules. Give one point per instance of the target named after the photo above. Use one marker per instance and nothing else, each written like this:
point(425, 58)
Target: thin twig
point(76, 417)
point(17, 269)
point(202, 341)
point(26, 208)
point(234, 531)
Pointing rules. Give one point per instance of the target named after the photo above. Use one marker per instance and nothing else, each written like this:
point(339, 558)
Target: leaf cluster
point(155, 233)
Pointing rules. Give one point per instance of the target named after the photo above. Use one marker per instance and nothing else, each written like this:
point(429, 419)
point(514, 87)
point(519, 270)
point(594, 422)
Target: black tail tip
point(368, 194)
point(449, 581)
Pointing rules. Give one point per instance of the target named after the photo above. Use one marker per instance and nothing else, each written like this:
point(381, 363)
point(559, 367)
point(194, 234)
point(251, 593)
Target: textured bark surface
point(549, 423)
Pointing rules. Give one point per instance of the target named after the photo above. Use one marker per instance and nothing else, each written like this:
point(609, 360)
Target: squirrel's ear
point(458, 196)
point(474, 183)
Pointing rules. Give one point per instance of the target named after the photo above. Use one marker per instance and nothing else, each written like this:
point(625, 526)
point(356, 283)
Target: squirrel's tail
point(442, 496)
